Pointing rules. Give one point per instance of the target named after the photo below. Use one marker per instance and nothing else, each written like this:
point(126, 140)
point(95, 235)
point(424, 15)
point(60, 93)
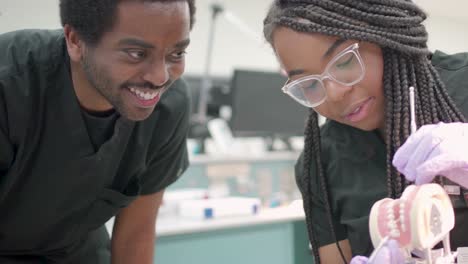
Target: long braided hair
point(395, 26)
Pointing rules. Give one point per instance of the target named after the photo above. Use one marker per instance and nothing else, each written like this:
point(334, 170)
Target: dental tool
point(412, 110)
point(374, 253)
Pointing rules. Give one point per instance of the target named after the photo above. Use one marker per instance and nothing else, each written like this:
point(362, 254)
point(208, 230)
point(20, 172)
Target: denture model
point(420, 219)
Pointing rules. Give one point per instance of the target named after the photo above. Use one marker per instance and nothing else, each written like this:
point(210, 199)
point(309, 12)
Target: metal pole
point(206, 81)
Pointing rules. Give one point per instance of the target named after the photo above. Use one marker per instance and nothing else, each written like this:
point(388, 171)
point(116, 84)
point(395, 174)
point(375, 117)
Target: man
point(90, 127)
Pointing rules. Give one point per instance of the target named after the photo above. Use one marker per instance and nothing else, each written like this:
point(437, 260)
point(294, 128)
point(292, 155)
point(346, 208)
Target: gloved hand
point(440, 149)
point(389, 253)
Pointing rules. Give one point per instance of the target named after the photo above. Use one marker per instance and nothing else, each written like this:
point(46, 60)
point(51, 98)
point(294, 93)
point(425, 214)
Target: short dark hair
point(92, 18)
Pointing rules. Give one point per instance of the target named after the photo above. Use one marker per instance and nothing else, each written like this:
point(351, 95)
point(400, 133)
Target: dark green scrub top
point(355, 165)
point(57, 189)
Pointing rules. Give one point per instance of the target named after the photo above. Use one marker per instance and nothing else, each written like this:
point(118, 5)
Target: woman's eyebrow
point(333, 47)
point(295, 72)
point(329, 51)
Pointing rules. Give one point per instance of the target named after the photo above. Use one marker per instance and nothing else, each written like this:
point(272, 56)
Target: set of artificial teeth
point(420, 219)
point(394, 220)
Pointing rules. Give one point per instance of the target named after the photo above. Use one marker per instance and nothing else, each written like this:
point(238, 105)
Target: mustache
point(147, 85)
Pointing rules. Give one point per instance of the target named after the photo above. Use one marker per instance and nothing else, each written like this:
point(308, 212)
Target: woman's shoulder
point(453, 71)
point(451, 62)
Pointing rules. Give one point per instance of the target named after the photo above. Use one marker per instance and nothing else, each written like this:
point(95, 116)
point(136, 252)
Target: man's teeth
point(145, 95)
point(357, 110)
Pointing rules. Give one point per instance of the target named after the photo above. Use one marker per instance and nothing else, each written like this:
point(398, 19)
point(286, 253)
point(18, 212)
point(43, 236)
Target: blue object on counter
point(208, 212)
point(255, 209)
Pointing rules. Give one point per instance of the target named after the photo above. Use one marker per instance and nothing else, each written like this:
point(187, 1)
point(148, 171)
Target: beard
point(99, 79)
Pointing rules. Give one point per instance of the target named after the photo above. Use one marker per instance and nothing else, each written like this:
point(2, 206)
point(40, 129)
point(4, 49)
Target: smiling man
point(93, 123)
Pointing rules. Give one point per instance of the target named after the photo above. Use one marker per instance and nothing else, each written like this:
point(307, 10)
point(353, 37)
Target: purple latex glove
point(440, 149)
point(389, 253)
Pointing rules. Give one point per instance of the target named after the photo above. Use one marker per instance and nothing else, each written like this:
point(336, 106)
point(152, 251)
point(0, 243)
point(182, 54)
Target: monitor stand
point(272, 142)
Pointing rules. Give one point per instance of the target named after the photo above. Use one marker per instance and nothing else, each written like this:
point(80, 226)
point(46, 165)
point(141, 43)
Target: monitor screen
point(260, 107)
point(217, 94)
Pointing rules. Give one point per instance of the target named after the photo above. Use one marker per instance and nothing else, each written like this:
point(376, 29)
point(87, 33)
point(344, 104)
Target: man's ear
point(75, 45)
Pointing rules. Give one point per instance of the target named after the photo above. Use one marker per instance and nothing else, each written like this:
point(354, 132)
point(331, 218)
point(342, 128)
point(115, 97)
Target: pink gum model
point(420, 219)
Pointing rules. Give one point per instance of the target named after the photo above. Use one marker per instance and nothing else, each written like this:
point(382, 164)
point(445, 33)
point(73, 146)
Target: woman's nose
point(335, 91)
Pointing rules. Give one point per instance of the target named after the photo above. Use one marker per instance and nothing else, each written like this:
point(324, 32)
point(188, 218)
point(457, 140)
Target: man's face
point(140, 57)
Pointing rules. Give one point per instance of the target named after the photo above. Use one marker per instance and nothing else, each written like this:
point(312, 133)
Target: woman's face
point(360, 105)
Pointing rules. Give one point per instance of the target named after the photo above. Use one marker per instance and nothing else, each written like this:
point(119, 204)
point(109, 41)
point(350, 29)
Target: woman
point(353, 62)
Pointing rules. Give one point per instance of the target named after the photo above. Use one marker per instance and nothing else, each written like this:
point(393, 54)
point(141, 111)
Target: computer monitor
point(259, 107)
point(217, 96)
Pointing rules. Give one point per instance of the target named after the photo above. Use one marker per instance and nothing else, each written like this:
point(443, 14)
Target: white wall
point(447, 34)
point(234, 48)
point(18, 14)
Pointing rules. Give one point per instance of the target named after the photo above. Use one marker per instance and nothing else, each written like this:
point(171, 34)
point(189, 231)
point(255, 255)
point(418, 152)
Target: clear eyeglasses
point(346, 68)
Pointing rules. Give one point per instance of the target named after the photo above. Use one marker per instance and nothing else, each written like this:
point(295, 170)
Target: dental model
point(420, 219)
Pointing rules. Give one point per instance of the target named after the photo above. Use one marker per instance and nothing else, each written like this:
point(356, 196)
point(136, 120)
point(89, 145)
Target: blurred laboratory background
point(238, 201)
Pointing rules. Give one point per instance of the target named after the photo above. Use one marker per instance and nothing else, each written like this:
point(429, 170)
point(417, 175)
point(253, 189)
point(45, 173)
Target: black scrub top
point(57, 189)
point(355, 166)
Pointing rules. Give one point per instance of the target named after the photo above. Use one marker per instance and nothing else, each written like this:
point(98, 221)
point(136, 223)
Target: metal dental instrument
point(412, 110)
point(376, 250)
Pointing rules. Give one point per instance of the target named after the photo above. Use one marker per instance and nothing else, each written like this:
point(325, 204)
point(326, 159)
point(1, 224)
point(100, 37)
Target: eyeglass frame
point(353, 48)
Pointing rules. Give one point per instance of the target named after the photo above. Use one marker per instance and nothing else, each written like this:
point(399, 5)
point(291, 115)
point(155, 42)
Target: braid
point(388, 91)
point(396, 27)
point(417, 97)
point(454, 112)
point(312, 138)
point(427, 100)
point(347, 19)
point(307, 156)
point(406, 118)
point(323, 182)
point(397, 116)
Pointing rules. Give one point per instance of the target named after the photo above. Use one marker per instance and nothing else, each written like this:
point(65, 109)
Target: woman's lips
point(359, 110)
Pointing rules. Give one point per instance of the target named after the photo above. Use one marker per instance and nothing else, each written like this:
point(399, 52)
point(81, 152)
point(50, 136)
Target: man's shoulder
point(30, 48)
point(29, 60)
point(179, 91)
